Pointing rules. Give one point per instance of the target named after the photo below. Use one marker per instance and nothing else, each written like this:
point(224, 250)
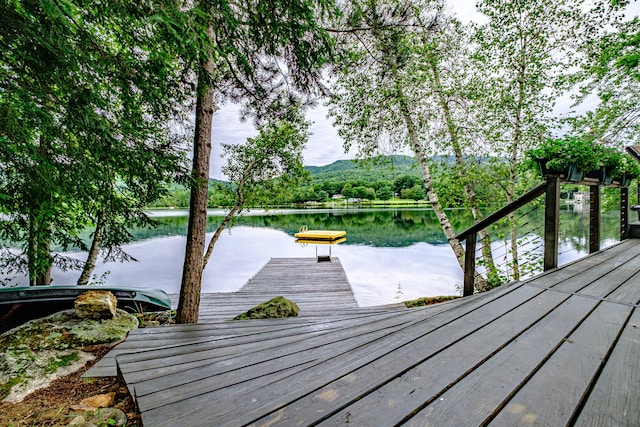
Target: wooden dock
point(317, 287)
point(561, 348)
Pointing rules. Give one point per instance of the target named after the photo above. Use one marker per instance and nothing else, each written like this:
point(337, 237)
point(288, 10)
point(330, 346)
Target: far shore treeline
point(387, 181)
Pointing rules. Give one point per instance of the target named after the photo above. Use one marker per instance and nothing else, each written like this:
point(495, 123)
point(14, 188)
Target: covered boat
point(23, 303)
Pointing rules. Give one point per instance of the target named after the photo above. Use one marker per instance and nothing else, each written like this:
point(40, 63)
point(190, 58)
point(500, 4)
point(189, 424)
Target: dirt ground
point(51, 406)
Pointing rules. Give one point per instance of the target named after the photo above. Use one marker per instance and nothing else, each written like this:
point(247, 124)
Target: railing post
point(551, 222)
point(624, 213)
point(594, 218)
point(469, 264)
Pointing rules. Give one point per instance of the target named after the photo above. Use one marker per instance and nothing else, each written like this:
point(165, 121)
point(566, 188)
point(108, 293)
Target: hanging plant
point(569, 156)
point(626, 170)
point(609, 159)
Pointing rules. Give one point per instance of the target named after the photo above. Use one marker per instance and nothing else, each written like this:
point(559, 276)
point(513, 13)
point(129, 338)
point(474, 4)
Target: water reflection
point(374, 273)
point(389, 256)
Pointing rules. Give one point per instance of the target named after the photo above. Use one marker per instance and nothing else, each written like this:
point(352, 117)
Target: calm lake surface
point(390, 254)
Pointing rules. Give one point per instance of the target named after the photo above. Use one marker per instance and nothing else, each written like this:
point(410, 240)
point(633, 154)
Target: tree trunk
point(32, 248)
point(487, 253)
point(217, 234)
point(513, 232)
point(189, 303)
point(39, 258)
point(511, 196)
point(449, 232)
point(239, 204)
point(92, 258)
point(43, 276)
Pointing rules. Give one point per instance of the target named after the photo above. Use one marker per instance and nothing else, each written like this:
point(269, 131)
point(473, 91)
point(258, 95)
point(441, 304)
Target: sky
point(325, 145)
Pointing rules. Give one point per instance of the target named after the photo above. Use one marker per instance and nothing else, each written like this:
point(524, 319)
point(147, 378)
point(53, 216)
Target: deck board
point(463, 368)
point(568, 372)
point(614, 399)
point(558, 349)
point(320, 289)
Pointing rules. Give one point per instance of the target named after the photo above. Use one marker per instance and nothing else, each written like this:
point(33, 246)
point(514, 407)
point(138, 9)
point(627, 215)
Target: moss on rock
point(429, 300)
point(87, 332)
point(274, 308)
point(38, 351)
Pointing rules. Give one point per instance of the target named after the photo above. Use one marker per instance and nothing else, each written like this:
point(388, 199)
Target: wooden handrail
point(551, 188)
point(504, 211)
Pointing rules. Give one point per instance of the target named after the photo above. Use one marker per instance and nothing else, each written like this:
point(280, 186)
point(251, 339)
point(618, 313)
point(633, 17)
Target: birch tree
point(264, 167)
point(525, 51)
point(390, 93)
point(611, 73)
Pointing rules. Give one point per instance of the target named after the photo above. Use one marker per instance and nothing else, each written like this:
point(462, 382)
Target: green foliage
point(84, 93)
point(628, 167)
point(559, 153)
point(583, 152)
point(421, 302)
point(324, 182)
point(263, 168)
point(611, 73)
point(406, 182)
point(385, 167)
point(384, 192)
point(414, 193)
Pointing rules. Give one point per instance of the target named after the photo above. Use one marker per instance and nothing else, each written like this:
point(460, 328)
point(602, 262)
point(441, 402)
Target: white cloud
point(324, 146)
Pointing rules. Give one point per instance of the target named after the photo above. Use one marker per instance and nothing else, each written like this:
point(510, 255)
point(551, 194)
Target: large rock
point(96, 305)
point(274, 308)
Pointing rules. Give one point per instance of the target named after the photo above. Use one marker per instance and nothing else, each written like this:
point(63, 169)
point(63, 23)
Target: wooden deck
point(562, 348)
point(321, 290)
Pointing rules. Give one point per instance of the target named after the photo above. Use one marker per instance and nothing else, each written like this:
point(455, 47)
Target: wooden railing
point(551, 189)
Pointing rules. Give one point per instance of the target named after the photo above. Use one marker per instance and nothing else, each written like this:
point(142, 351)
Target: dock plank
point(320, 289)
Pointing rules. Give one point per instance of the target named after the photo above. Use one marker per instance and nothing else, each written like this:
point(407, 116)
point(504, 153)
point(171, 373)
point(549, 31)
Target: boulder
point(99, 401)
point(274, 308)
point(80, 421)
point(96, 305)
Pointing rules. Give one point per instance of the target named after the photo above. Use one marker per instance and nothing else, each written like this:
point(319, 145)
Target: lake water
point(390, 255)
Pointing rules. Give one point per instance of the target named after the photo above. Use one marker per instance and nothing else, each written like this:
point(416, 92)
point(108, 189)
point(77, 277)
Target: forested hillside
point(380, 178)
point(387, 167)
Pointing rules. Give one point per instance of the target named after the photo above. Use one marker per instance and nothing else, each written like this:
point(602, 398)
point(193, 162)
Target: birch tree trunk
point(94, 250)
point(452, 131)
point(445, 224)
